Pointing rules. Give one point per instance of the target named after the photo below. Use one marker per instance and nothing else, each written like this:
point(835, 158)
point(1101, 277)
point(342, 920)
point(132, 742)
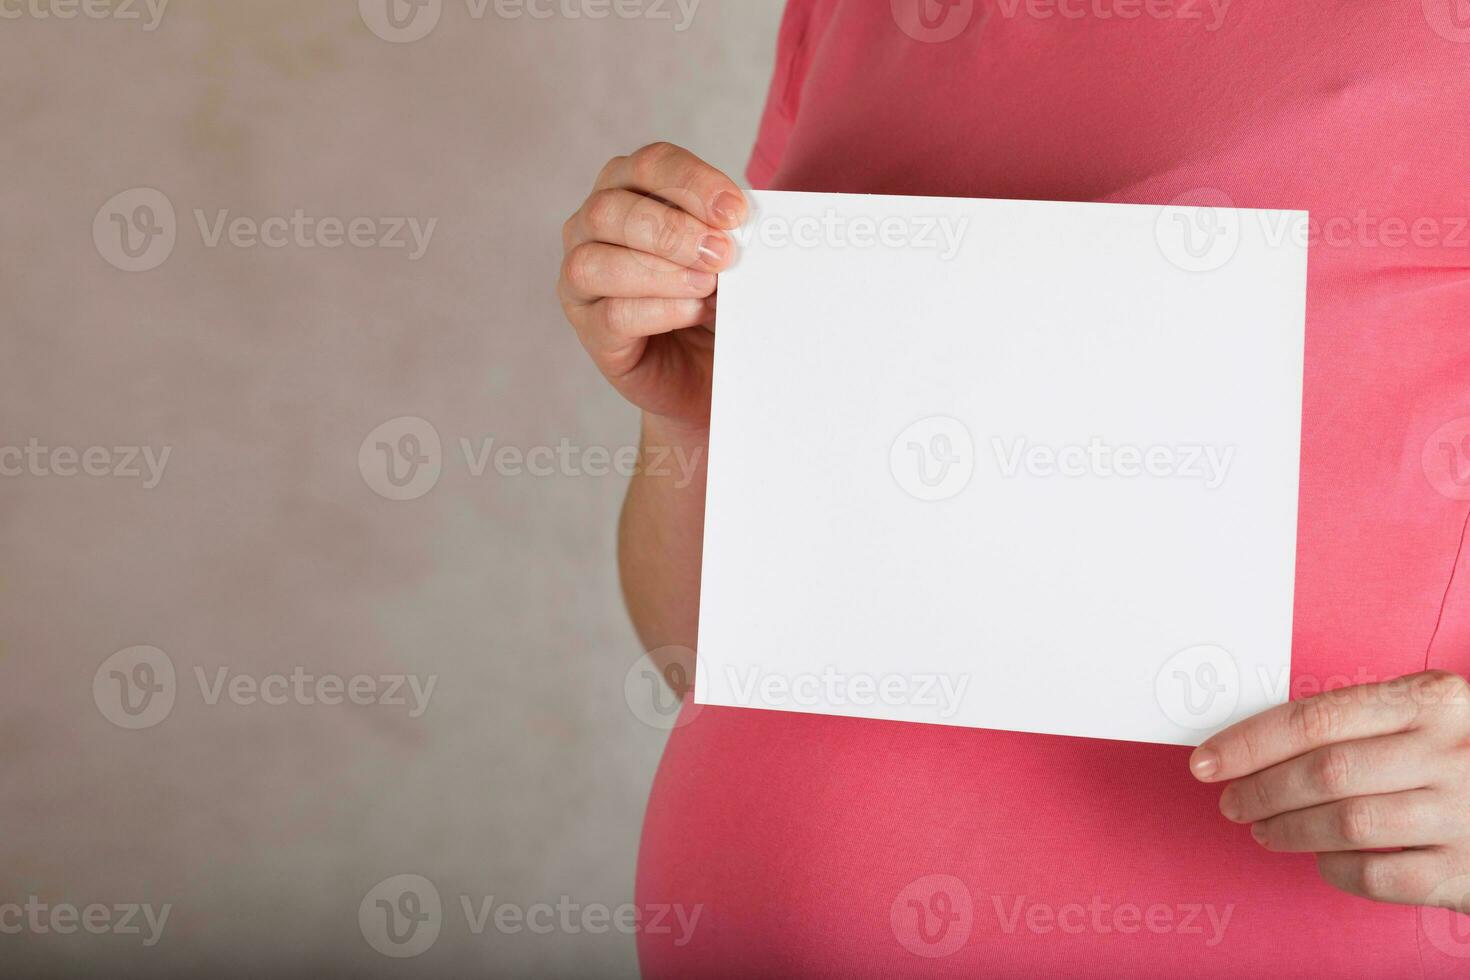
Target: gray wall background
point(263, 547)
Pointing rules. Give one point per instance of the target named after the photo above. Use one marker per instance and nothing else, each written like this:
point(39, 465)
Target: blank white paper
point(1005, 464)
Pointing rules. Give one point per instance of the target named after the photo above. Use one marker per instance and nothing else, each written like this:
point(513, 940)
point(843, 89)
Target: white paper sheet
point(1005, 464)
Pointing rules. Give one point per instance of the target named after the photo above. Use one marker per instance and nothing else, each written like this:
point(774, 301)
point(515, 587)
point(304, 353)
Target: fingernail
point(1258, 831)
point(1229, 808)
point(714, 249)
point(1205, 764)
point(702, 282)
point(726, 209)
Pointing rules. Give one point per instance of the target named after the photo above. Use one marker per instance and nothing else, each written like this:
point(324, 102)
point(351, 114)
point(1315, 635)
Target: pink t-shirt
point(818, 846)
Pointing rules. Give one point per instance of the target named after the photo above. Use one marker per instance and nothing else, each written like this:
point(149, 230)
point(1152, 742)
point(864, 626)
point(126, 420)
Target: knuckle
point(1315, 720)
point(1251, 748)
point(659, 226)
point(610, 169)
point(582, 266)
point(1378, 878)
point(648, 160)
point(1263, 796)
point(619, 317)
point(668, 231)
point(1440, 688)
point(685, 175)
point(602, 211)
point(1356, 821)
point(1332, 770)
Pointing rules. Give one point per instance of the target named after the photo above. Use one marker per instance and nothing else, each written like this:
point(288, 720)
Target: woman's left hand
point(1353, 770)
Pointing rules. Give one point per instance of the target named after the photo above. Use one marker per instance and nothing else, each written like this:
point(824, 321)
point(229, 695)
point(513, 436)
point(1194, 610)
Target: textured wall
point(265, 541)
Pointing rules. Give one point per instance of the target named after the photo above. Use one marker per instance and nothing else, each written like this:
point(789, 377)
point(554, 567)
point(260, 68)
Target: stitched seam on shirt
point(762, 167)
point(1448, 586)
point(794, 68)
point(1419, 940)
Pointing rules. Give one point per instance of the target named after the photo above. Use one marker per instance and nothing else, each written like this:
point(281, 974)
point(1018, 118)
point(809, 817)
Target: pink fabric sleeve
point(783, 100)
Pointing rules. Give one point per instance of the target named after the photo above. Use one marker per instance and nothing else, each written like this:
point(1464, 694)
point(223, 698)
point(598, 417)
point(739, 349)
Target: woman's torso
point(843, 847)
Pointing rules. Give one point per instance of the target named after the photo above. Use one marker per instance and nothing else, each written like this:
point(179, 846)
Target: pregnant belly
point(808, 846)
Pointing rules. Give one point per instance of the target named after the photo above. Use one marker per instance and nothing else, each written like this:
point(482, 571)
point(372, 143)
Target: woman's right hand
point(638, 277)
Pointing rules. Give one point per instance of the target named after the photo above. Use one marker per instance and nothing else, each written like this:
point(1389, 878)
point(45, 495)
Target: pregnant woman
point(1327, 837)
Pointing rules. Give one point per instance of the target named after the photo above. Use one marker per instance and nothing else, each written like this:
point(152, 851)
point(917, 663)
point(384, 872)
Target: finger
point(1413, 819)
point(1390, 764)
point(1288, 730)
point(619, 217)
point(1402, 877)
point(680, 177)
point(594, 270)
point(610, 324)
